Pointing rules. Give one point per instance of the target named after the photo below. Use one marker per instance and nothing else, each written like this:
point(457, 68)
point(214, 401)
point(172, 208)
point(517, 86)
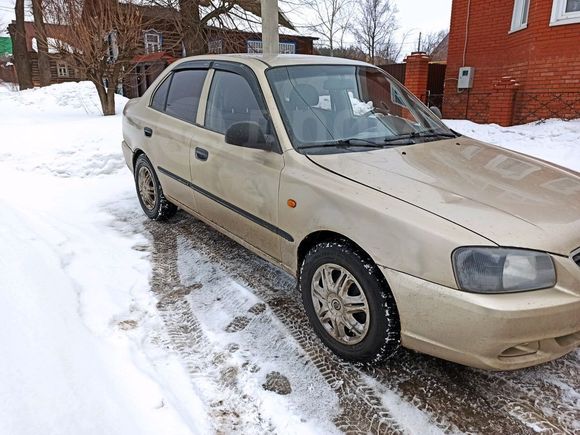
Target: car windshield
point(348, 106)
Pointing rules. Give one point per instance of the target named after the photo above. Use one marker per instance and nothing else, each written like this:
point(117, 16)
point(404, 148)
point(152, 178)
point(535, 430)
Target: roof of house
point(439, 54)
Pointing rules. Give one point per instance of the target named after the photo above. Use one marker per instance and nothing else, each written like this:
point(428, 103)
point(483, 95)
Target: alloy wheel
point(340, 304)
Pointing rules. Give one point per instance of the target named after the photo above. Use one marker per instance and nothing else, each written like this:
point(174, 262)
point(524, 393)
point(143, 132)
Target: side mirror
point(249, 135)
point(436, 111)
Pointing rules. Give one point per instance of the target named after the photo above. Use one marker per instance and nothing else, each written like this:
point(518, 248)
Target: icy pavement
point(115, 324)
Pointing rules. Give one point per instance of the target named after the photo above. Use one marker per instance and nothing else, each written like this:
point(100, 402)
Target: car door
point(237, 187)
point(174, 108)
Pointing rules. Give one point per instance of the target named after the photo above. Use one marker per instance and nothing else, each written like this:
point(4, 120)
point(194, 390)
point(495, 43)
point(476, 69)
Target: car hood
point(509, 198)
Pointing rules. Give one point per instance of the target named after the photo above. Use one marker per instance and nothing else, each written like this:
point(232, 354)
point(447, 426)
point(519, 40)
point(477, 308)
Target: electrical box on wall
point(465, 80)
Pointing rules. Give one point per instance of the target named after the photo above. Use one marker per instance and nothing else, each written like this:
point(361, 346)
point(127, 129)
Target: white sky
point(414, 16)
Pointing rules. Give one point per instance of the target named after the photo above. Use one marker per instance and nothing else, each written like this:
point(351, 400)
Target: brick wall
point(544, 60)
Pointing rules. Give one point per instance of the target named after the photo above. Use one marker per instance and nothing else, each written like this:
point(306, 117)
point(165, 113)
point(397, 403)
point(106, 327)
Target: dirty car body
point(478, 246)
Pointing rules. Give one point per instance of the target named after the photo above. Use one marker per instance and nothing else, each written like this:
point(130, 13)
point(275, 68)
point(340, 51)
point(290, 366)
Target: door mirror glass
point(436, 111)
point(247, 134)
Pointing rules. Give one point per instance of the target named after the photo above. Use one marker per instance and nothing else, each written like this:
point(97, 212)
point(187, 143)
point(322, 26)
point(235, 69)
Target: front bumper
point(497, 332)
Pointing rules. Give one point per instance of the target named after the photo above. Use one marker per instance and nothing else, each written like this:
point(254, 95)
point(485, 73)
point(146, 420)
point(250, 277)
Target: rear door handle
point(148, 131)
point(201, 154)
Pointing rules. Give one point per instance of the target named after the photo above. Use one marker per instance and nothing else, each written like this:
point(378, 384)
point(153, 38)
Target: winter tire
point(149, 192)
point(349, 303)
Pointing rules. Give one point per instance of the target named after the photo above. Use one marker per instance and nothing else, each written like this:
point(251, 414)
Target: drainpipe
point(270, 37)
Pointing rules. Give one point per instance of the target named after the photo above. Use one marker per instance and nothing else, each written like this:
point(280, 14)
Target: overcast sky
point(414, 16)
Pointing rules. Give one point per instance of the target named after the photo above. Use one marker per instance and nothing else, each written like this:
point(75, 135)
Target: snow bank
point(553, 140)
point(74, 293)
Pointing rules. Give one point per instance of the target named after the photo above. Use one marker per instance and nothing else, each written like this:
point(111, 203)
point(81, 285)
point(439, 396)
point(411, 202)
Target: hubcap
point(146, 187)
point(340, 304)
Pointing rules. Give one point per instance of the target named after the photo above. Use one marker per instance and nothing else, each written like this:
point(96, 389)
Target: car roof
point(279, 60)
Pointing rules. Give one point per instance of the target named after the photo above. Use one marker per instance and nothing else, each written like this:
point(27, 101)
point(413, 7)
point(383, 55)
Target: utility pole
point(270, 36)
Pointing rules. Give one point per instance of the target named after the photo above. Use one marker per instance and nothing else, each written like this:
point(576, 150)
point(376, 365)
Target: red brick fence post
point(502, 100)
point(417, 74)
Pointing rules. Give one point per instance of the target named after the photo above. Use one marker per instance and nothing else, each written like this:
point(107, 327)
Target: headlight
point(502, 270)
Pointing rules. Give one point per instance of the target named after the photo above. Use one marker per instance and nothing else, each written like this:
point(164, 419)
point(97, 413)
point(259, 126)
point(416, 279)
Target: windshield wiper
point(347, 143)
point(420, 135)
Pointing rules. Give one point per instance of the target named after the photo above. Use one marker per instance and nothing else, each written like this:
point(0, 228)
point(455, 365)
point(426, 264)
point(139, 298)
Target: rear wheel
point(149, 191)
point(348, 303)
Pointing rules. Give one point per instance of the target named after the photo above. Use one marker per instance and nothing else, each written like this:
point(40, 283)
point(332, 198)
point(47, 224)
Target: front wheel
point(149, 192)
point(348, 303)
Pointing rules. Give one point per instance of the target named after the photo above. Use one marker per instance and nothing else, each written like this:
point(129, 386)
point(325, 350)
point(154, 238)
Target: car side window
point(160, 97)
point(184, 94)
point(231, 99)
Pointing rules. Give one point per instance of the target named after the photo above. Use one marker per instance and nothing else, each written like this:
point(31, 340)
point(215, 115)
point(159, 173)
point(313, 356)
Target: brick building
point(525, 56)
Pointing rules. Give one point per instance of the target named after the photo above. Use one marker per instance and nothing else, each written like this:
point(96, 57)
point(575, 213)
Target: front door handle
point(148, 131)
point(201, 154)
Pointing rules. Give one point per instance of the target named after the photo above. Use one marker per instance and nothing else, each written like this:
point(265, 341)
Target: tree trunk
point(21, 58)
point(41, 43)
point(191, 27)
point(106, 97)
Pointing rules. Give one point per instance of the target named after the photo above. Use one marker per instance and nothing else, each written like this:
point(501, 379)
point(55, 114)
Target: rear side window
point(158, 102)
point(232, 100)
point(184, 94)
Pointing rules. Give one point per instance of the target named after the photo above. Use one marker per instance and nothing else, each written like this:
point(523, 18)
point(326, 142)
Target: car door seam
point(232, 207)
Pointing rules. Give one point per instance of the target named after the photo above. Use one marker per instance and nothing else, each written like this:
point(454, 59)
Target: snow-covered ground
point(74, 297)
point(82, 335)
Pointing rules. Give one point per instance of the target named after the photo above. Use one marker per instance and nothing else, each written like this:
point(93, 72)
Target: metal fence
point(534, 106)
point(529, 106)
point(472, 106)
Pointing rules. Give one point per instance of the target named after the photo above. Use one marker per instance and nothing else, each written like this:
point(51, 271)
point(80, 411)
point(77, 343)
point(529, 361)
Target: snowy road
point(115, 324)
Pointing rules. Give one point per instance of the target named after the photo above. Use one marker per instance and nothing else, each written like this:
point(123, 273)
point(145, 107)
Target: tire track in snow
point(361, 409)
point(230, 410)
point(456, 398)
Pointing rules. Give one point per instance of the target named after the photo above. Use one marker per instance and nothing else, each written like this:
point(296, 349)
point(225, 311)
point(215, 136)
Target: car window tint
point(232, 100)
point(184, 93)
point(158, 101)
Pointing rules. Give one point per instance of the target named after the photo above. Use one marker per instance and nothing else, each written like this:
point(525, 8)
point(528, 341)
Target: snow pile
point(553, 140)
point(74, 293)
point(57, 130)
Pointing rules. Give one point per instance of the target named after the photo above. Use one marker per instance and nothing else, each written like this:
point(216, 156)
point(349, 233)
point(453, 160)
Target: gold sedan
point(399, 230)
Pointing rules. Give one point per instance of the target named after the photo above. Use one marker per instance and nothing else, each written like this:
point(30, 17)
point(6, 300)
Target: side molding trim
point(228, 205)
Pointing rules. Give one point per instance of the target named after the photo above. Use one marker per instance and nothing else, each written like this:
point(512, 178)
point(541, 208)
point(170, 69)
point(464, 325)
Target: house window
point(287, 48)
point(565, 12)
point(520, 16)
point(152, 41)
point(284, 47)
point(215, 47)
point(61, 69)
point(112, 47)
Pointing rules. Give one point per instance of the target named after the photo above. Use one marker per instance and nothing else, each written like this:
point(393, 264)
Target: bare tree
point(432, 40)
point(100, 38)
point(41, 43)
point(329, 20)
point(21, 58)
point(375, 25)
point(194, 16)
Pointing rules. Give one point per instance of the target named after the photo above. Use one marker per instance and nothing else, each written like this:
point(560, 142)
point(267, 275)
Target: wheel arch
point(136, 153)
point(330, 236)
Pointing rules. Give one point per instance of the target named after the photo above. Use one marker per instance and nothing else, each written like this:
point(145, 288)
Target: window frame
point(250, 76)
point(520, 15)
point(186, 66)
point(159, 43)
point(559, 15)
point(256, 46)
point(62, 66)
